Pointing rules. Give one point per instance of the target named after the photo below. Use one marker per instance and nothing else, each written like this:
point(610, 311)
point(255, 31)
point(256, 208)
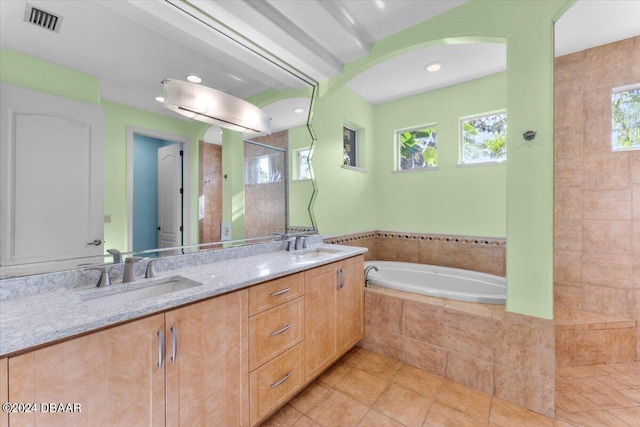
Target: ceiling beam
point(339, 12)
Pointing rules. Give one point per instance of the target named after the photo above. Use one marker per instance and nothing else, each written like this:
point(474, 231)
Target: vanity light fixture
point(212, 106)
point(193, 78)
point(433, 67)
point(298, 110)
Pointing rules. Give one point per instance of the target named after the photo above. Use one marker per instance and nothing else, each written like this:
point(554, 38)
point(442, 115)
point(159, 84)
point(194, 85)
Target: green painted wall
point(23, 70)
point(346, 198)
point(450, 200)
point(233, 184)
point(299, 191)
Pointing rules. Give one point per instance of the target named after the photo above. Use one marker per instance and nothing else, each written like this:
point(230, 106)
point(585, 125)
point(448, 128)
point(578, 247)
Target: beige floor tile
point(380, 366)
point(334, 374)
point(338, 410)
point(467, 400)
point(415, 379)
point(630, 416)
point(360, 385)
point(610, 399)
point(305, 421)
point(403, 405)
point(376, 419)
point(308, 397)
point(444, 416)
point(507, 414)
point(632, 393)
point(285, 417)
point(355, 355)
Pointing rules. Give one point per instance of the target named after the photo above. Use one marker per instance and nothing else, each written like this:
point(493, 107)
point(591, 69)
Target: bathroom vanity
point(222, 353)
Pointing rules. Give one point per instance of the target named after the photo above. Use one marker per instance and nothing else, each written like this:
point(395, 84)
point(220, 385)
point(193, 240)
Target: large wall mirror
point(112, 57)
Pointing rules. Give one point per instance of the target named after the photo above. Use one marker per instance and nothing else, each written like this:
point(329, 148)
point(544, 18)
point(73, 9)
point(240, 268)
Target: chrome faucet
point(151, 269)
point(105, 279)
point(129, 269)
point(301, 242)
point(366, 274)
point(117, 255)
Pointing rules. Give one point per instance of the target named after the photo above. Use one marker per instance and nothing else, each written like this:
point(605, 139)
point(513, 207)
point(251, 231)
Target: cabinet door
point(113, 375)
point(320, 318)
point(4, 390)
point(207, 363)
point(350, 304)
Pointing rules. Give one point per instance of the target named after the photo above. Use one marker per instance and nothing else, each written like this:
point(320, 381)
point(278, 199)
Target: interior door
point(51, 179)
point(170, 196)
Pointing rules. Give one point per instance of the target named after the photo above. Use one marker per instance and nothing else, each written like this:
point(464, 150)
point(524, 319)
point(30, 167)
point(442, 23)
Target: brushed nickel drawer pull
point(277, 383)
point(284, 291)
point(174, 344)
point(160, 349)
point(278, 332)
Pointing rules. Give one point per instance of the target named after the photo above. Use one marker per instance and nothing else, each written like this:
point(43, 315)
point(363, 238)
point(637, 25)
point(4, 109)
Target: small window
point(350, 146)
point(262, 170)
point(303, 171)
point(484, 139)
point(417, 148)
point(625, 118)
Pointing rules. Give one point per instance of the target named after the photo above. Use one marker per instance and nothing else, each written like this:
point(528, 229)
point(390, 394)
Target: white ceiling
point(133, 45)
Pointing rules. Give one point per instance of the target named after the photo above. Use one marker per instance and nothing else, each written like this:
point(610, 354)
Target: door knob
point(96, 242)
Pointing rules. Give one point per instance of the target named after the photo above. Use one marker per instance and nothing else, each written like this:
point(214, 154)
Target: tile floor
point(367, 389)
point(599, 395)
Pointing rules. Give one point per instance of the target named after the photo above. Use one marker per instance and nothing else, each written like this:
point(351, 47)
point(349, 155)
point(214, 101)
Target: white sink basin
point(311, 255)
point(99, 301)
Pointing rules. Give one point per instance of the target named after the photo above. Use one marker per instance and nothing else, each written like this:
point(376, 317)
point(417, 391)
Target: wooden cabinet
point(334, 312)
point(118, 375)
point(113, 374)
point(276, 347)
point(4, 390)
point(231, 360)
point(207, 362)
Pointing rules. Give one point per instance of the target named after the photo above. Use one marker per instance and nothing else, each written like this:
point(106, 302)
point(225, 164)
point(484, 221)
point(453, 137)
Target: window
point(262, 170)
point(350, 149)
point(625, 118)
point(417, 148)
point(303, 171)
point(484, 139)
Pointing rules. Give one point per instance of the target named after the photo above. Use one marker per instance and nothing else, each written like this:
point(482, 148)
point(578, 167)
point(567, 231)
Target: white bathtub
point(443, 282)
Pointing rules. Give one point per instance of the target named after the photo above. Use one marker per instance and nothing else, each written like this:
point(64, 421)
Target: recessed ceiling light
point(160, 98)
point(194, 79)
point(433, 67)
point(298, 110)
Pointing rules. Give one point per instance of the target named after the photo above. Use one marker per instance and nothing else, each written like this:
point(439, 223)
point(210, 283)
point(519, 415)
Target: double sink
point(114, 297)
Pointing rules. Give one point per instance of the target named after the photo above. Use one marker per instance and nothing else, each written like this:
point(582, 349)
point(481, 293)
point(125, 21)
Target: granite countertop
point(34, 320)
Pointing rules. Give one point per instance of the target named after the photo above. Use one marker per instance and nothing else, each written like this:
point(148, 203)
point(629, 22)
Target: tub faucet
point(366, 274)
point(129, 269)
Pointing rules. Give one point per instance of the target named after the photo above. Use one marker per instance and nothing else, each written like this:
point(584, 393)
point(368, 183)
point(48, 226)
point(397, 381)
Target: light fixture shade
point(214, 107)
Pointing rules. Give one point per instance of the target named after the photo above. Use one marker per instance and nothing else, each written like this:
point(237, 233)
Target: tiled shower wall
point(596, 191)
point(210, 166)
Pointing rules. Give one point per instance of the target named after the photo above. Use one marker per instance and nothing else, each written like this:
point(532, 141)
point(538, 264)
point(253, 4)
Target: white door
point(170, 196)
point(51, 179)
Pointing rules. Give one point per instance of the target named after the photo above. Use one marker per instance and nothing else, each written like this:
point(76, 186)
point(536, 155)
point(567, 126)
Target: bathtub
point(443, 282)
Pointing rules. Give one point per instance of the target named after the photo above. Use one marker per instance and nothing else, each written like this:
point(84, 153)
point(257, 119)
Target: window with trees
point(625, 118)
point(417, 147)
point(350, 149)
point(303, 170)
point(484, 138)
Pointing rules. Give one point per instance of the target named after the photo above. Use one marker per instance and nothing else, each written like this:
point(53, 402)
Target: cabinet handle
point(160, 349)
point(279, 331)
point(275, 294)
point(340, 284)
point(277, 383)
point(174, 344)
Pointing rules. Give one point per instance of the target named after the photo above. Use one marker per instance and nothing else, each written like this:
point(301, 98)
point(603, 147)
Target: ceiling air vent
point(42, 18)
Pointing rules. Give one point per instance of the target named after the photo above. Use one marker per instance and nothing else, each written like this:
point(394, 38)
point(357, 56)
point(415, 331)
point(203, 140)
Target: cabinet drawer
point(274, 383)
point(270, 294)
point(274, 331)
